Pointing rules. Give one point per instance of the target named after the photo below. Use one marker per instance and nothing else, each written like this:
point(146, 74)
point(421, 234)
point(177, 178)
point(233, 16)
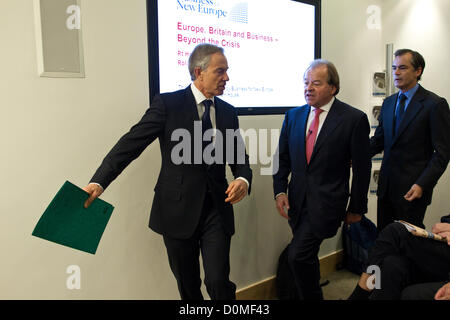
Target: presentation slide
point(268, 45)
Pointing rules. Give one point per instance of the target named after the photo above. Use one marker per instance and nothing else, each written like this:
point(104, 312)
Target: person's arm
point(361, 168)
point(240, 167)
point(280, 176)
point(442, 229)
point(128, 148)
point(440, 140)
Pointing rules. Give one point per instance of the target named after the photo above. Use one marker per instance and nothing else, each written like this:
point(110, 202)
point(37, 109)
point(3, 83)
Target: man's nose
point(226, 78)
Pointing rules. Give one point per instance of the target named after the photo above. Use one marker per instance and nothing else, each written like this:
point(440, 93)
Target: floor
point(341, 285)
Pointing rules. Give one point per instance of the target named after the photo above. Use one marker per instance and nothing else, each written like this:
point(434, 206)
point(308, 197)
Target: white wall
point(356, 51)
point(53, 130)
point(60, 129)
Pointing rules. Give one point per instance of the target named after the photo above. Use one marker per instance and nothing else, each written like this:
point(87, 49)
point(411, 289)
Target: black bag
point(285, 284)
point(358, 238)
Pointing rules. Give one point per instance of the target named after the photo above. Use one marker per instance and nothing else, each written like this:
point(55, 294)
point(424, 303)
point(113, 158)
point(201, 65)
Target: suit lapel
point(190, 105)
point(332, 120)
point(413, 108)
point(220, 117)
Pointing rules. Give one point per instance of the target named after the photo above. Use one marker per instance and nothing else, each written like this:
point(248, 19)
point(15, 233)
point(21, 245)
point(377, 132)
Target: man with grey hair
point(192, 206)
point(319, 143)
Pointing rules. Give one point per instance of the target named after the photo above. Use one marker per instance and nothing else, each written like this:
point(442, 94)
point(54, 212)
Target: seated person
point(404, 260)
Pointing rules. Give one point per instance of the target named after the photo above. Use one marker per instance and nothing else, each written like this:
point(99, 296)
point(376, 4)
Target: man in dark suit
point(414, 132)
point(319, 143)
point(192, 205)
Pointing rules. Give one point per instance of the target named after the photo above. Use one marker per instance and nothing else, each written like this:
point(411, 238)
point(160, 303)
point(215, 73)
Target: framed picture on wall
point(378, 84)
point(374, 113)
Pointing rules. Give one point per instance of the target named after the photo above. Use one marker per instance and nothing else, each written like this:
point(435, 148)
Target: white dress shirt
point(312, 113)
point(326, 109)
point(199, 98)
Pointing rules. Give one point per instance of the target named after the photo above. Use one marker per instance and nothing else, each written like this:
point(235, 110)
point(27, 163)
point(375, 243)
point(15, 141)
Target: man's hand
point(414, 193)
point(236, 191)
point(446, 235)
point(443, 293)
point(282, 204)
point(94, 191)
point(352, 218)
point(442, 229)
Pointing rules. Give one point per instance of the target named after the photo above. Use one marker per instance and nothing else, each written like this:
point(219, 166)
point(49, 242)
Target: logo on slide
point(204, 7)
point(239, 13)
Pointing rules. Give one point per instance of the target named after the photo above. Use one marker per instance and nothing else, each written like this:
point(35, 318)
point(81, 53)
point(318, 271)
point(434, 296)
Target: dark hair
point(417, 60)
point(333, 75)
point(200, 57)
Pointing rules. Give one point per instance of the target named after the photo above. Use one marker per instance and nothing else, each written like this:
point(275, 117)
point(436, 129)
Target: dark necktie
point(400, 111)
point(206, 120)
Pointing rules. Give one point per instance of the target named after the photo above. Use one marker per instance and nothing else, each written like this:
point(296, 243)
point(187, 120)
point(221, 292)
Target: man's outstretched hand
point(94, 191)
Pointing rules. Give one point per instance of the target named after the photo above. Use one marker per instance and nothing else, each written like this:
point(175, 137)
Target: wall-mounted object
point(390, 87)
point(378, 84)
point(374, 181)
point(373, 115)
point(58, 38)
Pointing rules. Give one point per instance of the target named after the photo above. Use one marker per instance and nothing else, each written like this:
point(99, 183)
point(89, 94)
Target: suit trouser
point(405, 259)
point(422, 291)
point(303, 260)
point(214, 244)
point(389, 210)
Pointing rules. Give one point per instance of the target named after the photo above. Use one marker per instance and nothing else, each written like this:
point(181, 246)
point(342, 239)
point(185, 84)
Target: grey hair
point(200, 57)
point(333, 75)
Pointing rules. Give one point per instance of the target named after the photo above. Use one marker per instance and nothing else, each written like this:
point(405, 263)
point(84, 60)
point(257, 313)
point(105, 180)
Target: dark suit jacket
point(419, 153)
point(323, 185)
point(181, 188)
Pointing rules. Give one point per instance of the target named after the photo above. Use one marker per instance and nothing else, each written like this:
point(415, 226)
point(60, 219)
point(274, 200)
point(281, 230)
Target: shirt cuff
point(279, 194)
point(98, 185)
point(245, 180)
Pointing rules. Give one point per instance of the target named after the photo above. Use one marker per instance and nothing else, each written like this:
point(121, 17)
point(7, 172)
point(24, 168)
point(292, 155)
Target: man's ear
point(334, 90)
point(197, 73)
point(419, 71)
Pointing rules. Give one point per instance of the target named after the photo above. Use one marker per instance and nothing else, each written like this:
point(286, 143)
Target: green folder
point(67, 222)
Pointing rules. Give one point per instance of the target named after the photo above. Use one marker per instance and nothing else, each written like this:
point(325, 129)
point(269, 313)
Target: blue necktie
point(400, 111)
